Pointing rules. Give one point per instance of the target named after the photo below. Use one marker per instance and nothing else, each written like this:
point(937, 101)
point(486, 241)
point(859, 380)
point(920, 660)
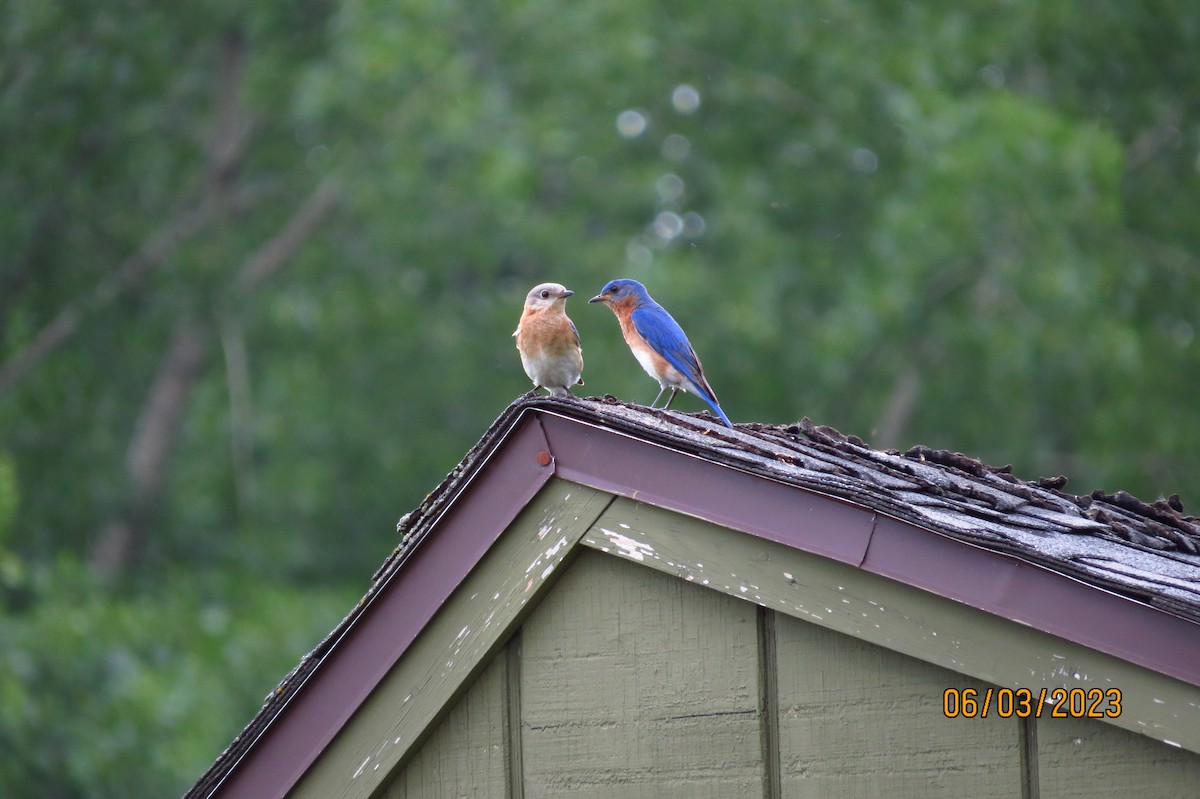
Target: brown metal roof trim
point(386, 620)
point(1109, 572)
point(1146, 552)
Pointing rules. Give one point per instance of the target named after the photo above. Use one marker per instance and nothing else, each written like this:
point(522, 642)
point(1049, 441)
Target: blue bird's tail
point(712, 403)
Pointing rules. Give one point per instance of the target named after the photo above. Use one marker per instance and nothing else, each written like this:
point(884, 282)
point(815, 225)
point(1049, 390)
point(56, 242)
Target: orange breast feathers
point(546, 333)
point(624, 311)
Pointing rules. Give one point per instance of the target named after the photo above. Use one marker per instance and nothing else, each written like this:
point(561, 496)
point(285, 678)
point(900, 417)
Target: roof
point(1105, 570)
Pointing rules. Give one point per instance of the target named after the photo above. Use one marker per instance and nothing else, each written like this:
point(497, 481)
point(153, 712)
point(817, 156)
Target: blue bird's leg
point(671, 398)
point(656, 399)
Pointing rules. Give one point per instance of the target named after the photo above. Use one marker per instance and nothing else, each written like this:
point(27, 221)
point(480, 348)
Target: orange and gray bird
point(548, 341)
point(658, 343)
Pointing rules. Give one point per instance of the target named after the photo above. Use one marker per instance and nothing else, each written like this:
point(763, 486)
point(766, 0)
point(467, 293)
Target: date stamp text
point(1024, 703)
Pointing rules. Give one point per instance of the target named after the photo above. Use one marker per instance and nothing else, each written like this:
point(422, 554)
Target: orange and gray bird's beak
point(567, 293)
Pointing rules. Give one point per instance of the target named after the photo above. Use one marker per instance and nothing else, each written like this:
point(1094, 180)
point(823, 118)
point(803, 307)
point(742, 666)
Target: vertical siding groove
point(514, 763)
point(768, 703)
point(1027, 731)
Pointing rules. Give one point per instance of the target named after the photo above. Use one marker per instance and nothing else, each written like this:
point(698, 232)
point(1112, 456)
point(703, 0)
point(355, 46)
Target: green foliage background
point(973, 227)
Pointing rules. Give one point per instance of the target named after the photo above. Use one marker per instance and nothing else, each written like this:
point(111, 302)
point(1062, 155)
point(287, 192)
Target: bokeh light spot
point(668, 225)
point(864, 161)
point(631, 123)
point(693, 225)
point(676, 147)
point(685, 98)
point(669, 187)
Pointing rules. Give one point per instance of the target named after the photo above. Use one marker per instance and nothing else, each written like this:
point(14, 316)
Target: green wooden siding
point(893, 615)
point(633, 684)
point(1082, 759)
point(860, 720)
point(607, 648)
point(466, 755)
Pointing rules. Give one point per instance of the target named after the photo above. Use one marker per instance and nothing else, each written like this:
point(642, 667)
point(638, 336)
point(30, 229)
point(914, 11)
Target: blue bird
point(658, 343)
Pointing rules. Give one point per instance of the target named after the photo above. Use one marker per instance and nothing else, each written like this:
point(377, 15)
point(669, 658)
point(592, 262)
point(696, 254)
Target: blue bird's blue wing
point(666, 337)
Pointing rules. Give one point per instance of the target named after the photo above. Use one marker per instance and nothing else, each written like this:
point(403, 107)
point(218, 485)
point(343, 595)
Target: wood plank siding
point(634, 684)
point(468, 753)
point(639, 673)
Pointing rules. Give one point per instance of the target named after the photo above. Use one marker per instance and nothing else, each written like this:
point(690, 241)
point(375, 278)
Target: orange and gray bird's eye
point(545, 294)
